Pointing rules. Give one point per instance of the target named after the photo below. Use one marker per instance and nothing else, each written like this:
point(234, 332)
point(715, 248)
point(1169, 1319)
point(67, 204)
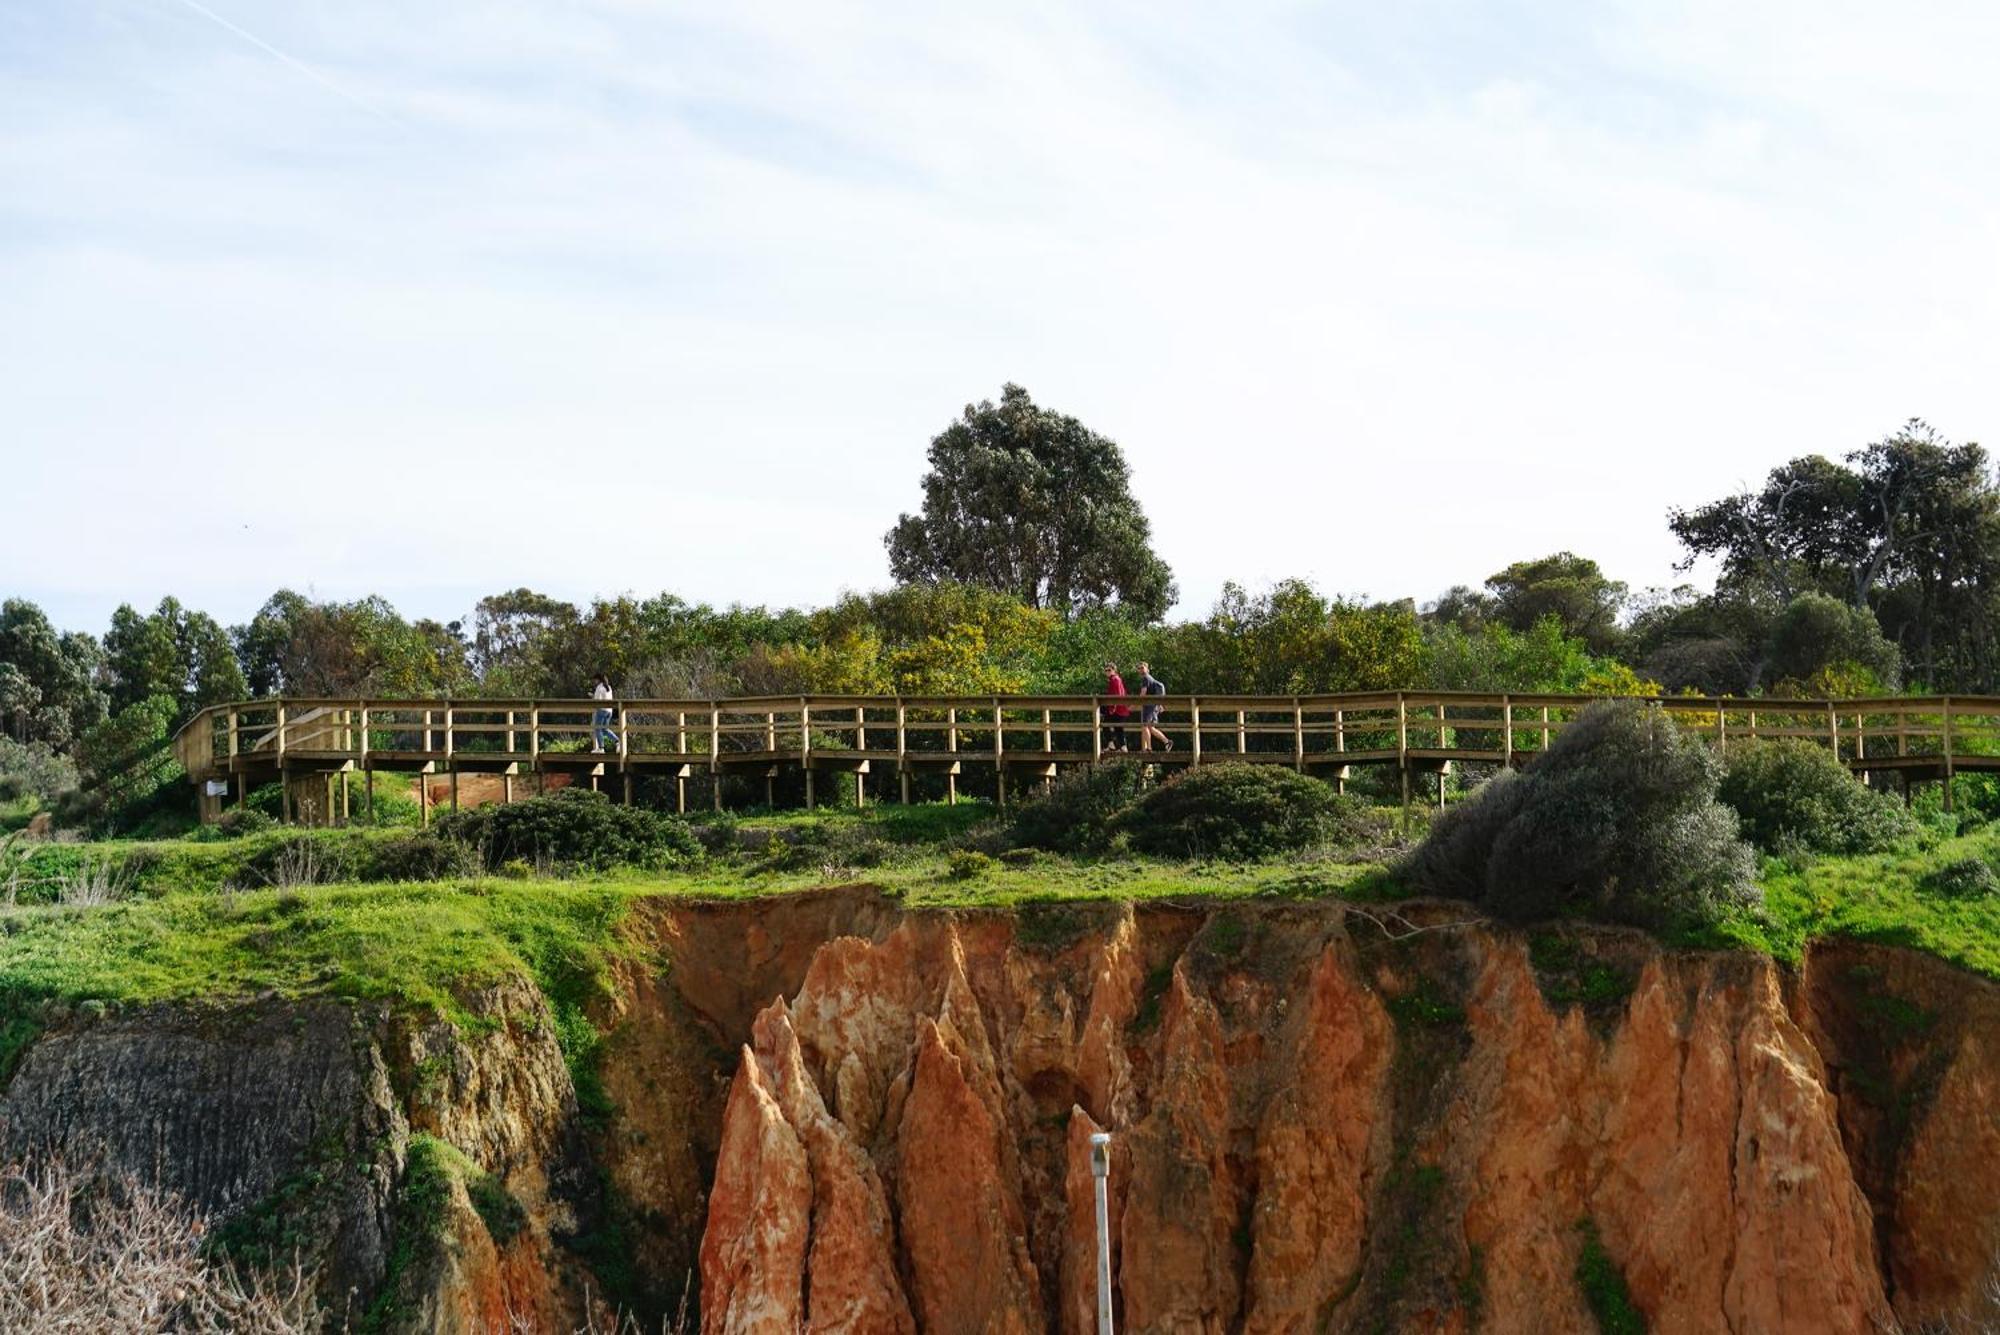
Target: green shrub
point(306, 859)
point(420, 857)
point(1241, 812)
point(1617, 820)
point(1963, 878)
point(825, 844)
point(1604, 1287)
point(31, 769)
point(1080, 814)
point(574, 827)
point(1793, 794)
point(233, 823)
point(966, 865)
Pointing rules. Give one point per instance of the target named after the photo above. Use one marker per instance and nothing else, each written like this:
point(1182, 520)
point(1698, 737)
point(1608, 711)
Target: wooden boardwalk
point(229, 749)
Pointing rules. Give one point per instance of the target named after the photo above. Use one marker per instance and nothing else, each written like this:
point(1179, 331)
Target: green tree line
point(1031, 564)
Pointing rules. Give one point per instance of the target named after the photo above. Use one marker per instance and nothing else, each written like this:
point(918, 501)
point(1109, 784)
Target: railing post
point(1545, 727)
point(1048, 735)
point(1949, 769)
point(1096, 729)
point(951, 745)
point(1194, 728)
point(861, 727)
point(363, 749)
point(1833, 729)
point(281, 733)
point(903, 749)
point(624, 739)
point(1721, 730)
point(427, 732)
point(1298, 736)
point(535, 737)
point(233, 726)
point(510, 732)
point(999, 752)
point(1242, 738)
point(1507, 732)
point(450, 722)
point(715, 745)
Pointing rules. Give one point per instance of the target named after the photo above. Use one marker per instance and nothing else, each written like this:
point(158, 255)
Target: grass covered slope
point(180, 923)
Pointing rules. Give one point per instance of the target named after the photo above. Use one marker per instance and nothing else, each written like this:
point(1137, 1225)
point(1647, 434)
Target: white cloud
point(647, 296)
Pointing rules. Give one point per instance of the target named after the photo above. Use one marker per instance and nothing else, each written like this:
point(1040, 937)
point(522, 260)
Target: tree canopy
point(1031, 502)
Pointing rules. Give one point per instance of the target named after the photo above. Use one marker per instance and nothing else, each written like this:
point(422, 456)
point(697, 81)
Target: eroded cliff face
point(824, 1113)
point(1324, 1121)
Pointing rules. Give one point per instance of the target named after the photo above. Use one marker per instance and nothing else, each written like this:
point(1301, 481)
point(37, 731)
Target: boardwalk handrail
point(1426, 727)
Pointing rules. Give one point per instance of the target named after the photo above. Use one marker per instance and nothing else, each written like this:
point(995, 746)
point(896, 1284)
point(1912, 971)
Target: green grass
point(421, 944)
point(1881, 898)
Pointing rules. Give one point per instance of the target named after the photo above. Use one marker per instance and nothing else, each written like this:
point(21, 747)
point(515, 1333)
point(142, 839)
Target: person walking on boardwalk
point(1115, 713)
point(1149, 714)
point(601, 730)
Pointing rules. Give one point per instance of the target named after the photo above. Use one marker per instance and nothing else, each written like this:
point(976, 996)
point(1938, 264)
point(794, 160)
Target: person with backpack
point(1149, 714)
point(1115, 713)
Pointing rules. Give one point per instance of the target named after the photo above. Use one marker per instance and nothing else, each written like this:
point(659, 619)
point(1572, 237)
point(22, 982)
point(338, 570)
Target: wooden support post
point(1194, 726)
point(999, 740)
point(284, 795)
point(681, 733)
point(427, 732)
point(1441, 778)
point(1340, 731)
point(368, 789)
point(233, 738)
point(1721, 731)
point(1048, 735)
point(510, 732)
point(1507, 732)
point(628, 787)
point(905, 777)
point(805, 743)
point(1298, 736)
point(1833, 729)
point(450, 722)
point(624, 735)
point(1441, 723)
point(681, 793)
point(860, 790)
point(809, 790)
point(1949, 768)
point(281, 734)
point(771, 731)
point(715, 788)
point(1860, 737)
point(1096, 729)
point(1403, 769)
point(1242, 737)
point(860, 727)
point(535, 738)
point(454, 784)
point(1545, 727)
point(346, 811)
point(362, 757)
point(1403, 742)
point(423, 799)
point(506, 789)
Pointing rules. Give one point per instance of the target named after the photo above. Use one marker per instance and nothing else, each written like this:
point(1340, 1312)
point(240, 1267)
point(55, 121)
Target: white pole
point(1100, 1169)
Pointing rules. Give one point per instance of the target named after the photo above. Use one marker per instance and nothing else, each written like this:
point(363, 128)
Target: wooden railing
point(1413, 729)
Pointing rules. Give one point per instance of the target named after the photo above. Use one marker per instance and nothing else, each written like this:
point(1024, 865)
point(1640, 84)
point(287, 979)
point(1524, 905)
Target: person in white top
point(602, 730)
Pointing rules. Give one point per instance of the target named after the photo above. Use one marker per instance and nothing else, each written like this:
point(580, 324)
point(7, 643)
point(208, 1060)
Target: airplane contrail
point(296, 64)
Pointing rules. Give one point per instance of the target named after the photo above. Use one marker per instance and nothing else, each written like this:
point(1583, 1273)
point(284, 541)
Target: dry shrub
point(93, 1252)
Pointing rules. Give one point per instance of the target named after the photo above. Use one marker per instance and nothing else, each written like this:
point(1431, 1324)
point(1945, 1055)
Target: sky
point(602, 296)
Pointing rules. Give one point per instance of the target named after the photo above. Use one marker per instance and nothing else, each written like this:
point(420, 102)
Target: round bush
point(1080, 814)
point(1964, 878)
point(1792, 794)
point(574, 827)
point(1617, 820)
point(420, 857)
point(1242, 812)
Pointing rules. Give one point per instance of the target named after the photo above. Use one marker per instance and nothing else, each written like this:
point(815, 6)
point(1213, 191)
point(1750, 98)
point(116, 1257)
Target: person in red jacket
point(1115, 714)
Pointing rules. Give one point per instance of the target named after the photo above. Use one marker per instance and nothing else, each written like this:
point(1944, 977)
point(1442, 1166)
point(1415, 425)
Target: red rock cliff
point(1325, 1124)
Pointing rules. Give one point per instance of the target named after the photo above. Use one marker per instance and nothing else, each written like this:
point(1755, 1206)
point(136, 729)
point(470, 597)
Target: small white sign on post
point(216, 787)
